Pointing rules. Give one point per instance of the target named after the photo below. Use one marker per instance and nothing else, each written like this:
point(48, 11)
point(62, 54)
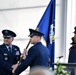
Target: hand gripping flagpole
point(24, 51)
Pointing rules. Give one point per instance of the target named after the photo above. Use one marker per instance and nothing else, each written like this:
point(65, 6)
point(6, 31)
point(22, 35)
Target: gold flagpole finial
point(37, 29)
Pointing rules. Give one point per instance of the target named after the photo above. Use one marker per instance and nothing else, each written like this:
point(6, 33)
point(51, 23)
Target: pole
point(21, 57)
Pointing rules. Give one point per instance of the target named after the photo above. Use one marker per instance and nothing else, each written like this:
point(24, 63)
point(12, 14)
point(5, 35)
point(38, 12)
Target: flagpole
point(24, 51)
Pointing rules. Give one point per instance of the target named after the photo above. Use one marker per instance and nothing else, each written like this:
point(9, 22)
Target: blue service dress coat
point(72, 55)
point(38, 55)
point(7, 59)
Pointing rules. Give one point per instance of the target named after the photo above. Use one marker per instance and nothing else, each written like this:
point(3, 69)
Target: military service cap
point(75, 29)
point(35, 32)
point(73, 42)
point(8, 33)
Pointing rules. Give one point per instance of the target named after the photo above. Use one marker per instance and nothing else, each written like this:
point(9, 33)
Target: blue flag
point(47, 26)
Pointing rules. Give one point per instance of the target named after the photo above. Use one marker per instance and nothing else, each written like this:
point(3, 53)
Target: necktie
point(10, 51)
point(11, 55)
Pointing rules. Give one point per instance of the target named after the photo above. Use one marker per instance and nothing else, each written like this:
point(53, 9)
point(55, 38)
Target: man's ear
point(12, 38)
point(38, 38)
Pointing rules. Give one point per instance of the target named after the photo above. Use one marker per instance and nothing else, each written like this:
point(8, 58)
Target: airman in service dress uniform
point(9, 54)
point(38, 54)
